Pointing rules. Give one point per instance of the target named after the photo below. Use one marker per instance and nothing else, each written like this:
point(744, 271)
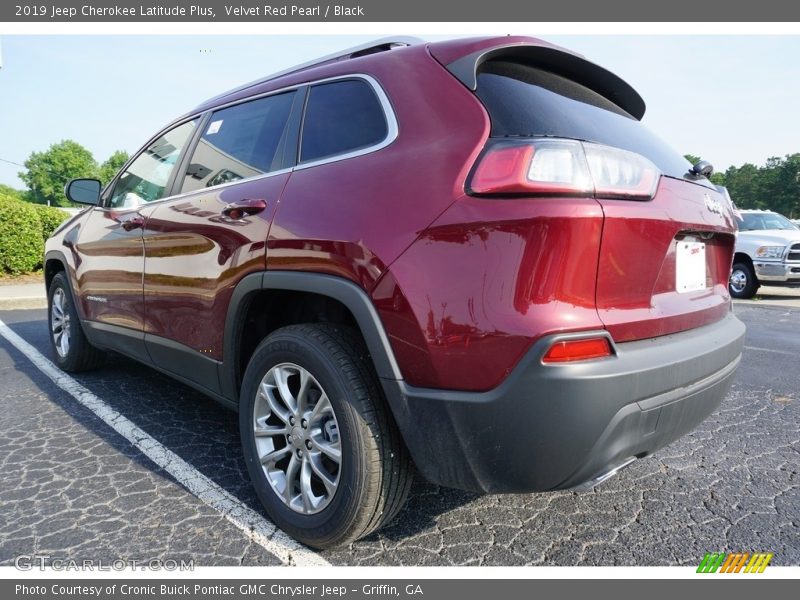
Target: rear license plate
point(690, 267)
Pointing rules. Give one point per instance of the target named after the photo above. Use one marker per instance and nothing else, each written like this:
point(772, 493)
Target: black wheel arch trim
point(348, 293)
point(57, 255)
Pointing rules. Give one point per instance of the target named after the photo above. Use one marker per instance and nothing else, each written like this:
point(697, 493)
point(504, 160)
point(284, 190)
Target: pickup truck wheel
point(323, 453)
point(742, 283)
point(71, 350)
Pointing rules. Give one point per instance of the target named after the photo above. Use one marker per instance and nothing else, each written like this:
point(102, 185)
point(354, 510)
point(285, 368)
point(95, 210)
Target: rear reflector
point(572, 350)
point(549, 166)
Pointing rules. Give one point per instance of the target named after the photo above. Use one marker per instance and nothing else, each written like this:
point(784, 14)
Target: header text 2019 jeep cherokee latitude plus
point(469, 256)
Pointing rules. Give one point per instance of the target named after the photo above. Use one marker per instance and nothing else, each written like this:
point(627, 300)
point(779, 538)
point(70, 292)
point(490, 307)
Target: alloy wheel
point(297, 438)
point(60, 323)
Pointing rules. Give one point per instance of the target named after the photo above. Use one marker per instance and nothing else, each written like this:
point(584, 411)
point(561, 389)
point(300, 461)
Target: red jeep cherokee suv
point(466, 256)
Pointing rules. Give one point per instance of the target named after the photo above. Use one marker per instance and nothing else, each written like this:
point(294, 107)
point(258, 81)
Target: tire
point(71, 350)
point(743, 283)
point(369, 484)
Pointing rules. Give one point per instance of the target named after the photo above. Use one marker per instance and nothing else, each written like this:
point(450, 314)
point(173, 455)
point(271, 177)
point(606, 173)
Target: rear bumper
point(558, 426)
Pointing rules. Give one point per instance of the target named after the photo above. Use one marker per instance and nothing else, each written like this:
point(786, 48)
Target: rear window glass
point(341, 117)
point(526, 101)
point(239, 142)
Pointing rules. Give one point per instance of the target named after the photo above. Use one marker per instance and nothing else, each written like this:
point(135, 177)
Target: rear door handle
point(133, 223)
point(243, 208)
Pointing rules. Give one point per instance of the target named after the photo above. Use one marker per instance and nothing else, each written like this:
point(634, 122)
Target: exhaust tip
point(604, 476)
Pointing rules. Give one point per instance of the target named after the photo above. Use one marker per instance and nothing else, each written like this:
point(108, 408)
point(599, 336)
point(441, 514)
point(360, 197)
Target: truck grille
point(794, 252)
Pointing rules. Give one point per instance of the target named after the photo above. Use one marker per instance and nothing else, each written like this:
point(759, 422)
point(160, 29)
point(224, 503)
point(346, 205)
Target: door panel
point(109, 270)
point(195, 255)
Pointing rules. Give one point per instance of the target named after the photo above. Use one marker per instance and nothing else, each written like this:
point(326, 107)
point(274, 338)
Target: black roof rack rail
point(372, 47)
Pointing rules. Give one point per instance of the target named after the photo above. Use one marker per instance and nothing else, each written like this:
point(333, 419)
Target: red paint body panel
point(354, 217)
point(489, 277)
point(636, 295)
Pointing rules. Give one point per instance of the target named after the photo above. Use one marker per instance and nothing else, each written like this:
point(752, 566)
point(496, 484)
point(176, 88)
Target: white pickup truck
point(767, 252)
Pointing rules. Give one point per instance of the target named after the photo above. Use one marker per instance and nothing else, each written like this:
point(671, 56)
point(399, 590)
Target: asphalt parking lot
point(73, 488)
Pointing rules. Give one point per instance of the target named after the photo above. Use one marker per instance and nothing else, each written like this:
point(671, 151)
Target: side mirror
point(703, 168)
point(83, 191)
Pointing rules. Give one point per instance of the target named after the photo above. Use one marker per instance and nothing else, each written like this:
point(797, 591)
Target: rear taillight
point(581, 349)
point(555, 167)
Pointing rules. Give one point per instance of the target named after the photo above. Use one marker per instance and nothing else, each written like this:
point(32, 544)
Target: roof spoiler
point(580, 70)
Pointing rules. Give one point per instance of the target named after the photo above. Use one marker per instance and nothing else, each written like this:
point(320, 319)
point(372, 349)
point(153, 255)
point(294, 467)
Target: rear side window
point(242, 141)
point(525, 101)
point(341, 117)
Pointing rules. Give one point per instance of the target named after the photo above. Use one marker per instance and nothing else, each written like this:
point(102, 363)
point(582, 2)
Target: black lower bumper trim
point(556, 426)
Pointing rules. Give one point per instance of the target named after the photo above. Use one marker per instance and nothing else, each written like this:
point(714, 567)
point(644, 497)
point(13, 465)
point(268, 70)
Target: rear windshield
point(526, 101)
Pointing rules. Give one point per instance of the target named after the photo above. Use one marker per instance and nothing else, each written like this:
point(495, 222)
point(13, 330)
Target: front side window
point(242, 141)
point(341, 117)
point(146, 178)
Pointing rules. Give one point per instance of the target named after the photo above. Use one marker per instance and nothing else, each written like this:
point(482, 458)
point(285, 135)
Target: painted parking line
point(253, 525)
point(773, 350)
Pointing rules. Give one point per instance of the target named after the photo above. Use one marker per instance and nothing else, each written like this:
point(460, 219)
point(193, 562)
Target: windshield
point(765, 221)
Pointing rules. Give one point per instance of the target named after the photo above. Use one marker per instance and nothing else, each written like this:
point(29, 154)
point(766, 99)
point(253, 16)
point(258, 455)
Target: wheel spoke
point(291, 475)
point(275, 455)
point(322, 407)
point(331, 450)
point(282, 381)
point(305, 486)
point(328, 480)
point(64, 342)
point(268, 393)
point(264, 430)
point(302, 394)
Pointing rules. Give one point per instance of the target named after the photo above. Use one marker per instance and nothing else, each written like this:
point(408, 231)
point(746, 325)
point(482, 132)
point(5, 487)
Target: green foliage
point(692, 158)
point(50, 218)
point(21, 243)
point(773, 186)
point(9, 192)
point(112, 164)
point(48, 171)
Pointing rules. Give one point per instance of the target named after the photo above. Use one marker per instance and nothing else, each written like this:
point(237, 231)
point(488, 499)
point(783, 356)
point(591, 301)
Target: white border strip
point(382, 29)
point(414, 574)
point(255, 527)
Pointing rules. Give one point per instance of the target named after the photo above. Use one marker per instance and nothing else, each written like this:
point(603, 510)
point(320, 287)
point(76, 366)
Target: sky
point(729, 99)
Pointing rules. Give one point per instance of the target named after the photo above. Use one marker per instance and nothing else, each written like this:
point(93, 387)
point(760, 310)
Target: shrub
point(50, 218)
point(21, 242)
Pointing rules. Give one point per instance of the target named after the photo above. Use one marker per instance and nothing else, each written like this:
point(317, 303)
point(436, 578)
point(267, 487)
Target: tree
point(774, 186)
point(111, 165)
point(692, 158)
point(48, 171)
